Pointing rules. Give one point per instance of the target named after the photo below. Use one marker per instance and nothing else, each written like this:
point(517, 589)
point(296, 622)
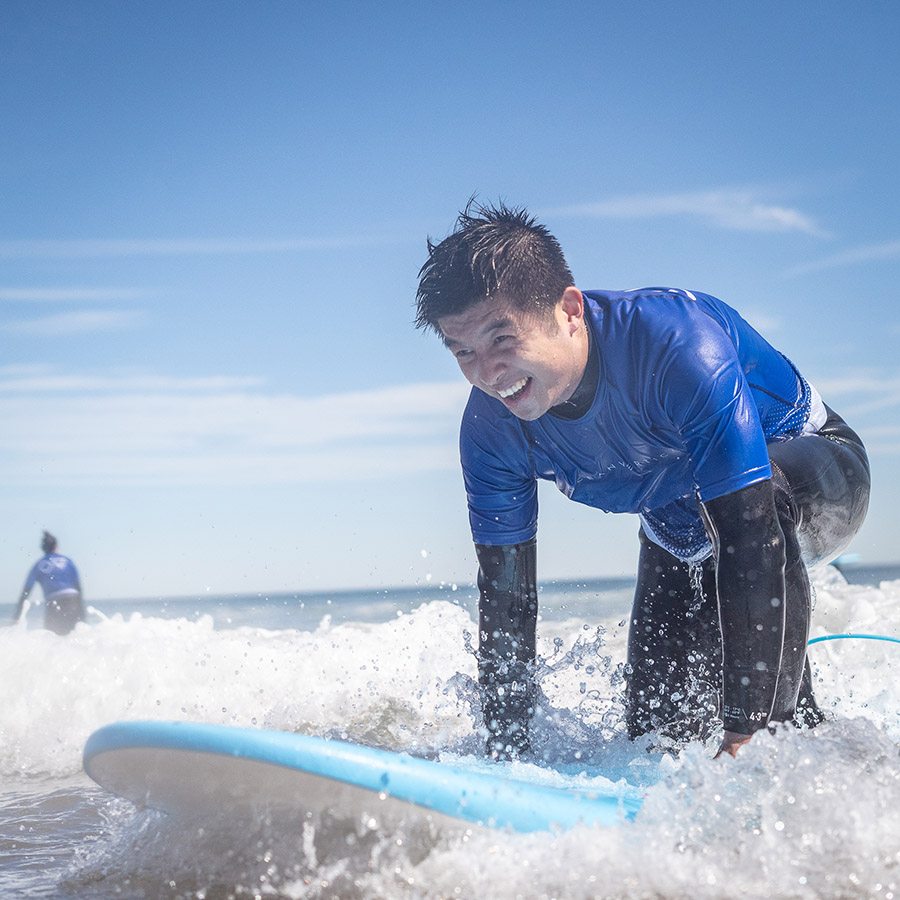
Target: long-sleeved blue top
point(54, 572)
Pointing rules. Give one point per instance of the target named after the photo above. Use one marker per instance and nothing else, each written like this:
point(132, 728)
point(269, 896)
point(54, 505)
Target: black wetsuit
point(753, 588)
point(818, 496)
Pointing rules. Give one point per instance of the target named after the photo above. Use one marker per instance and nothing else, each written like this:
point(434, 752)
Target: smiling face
point(530, 365)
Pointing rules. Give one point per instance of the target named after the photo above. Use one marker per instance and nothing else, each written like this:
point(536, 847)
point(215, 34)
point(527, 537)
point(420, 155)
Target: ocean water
point(798, 814)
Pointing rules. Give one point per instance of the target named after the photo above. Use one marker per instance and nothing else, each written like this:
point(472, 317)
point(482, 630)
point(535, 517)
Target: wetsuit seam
point(785, 486)
point(768, 393)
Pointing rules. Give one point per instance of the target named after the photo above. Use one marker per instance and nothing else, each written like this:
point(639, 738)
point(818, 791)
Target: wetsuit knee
point(822, 481)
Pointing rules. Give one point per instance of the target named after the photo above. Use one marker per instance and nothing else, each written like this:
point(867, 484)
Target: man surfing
point(58, 577)
point(661, 402)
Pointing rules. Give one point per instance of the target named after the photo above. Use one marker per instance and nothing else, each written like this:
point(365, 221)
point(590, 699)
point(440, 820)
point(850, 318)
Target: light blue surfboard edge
point(483, 799)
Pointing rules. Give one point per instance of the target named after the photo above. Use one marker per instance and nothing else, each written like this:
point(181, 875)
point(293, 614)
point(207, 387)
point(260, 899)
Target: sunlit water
point(798, 814)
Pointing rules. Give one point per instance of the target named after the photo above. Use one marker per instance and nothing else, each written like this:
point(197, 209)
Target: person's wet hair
point(48, 542)
point(493, 251)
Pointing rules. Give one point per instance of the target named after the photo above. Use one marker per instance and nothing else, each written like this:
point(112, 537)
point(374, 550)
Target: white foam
point(382, 684)
point(798, 814)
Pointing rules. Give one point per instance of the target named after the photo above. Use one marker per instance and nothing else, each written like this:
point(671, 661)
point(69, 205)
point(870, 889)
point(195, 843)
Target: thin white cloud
point(852, 257)
point(861, 393)
point(883, 431)
point(81, 322)
point(299, 467)
point(27, 380)
point(859, 382)
point(67, 294)
point(151, 430)
point(112, 247)
point(881, 440)
point(25, 370)
point(742, 209)
point(216, 431)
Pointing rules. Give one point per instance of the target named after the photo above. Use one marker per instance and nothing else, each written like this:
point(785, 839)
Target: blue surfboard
point(193, 770)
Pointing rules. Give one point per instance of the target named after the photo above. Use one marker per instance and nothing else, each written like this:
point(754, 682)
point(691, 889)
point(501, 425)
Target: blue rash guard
point(688, 397)
point(55, 573)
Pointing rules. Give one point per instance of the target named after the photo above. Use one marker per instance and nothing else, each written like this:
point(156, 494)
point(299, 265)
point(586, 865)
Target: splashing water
point(797, 814)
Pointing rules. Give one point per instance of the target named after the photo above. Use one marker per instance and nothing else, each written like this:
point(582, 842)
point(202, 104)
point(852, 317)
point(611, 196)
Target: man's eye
point(502, 337)
point(463, 354)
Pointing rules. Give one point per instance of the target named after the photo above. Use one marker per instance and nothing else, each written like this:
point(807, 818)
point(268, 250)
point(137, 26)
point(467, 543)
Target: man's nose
point(490, 371)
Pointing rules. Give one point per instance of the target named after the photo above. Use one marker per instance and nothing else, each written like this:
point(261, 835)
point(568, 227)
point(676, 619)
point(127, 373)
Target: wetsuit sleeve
point(502, 498)
point(750, 554)
point(507, 623)
point(30, 580)
point(704, 393)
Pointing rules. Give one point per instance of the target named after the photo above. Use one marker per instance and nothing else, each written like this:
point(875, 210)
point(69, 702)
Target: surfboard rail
point(181, 767)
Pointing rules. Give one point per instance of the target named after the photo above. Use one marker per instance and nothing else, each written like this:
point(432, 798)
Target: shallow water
point(798, 814)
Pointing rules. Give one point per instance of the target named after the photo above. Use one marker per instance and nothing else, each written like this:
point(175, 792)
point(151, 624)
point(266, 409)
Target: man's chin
point(526, 415)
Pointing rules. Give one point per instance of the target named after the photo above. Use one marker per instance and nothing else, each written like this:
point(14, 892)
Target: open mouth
point(514, 390)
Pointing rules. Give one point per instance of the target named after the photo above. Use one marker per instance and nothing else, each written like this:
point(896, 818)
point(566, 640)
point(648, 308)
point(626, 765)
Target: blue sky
point(213, 214)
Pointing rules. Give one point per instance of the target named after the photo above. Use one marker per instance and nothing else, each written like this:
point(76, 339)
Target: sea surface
point(800, 814)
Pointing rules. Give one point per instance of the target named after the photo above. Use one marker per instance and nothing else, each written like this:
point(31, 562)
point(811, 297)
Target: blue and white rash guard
point(55, 573)
point(688, 397)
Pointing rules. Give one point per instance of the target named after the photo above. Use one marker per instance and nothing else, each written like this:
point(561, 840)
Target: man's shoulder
point(659, 299)
point(56, 561)
point(621, 318)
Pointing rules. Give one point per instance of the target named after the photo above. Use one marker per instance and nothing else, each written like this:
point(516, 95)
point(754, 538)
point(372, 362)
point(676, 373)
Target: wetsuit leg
point(63, 613)
point(794, 678)
point(674, 647)
point(821, 485)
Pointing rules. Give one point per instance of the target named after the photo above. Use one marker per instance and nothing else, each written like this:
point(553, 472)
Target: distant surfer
point(58, 577)
point(662, 402)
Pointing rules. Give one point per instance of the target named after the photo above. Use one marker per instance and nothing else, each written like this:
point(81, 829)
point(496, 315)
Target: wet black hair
point(48, 542)
point(492, 251)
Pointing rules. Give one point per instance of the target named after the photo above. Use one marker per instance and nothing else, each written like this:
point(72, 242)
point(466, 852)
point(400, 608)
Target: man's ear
point(572, 304)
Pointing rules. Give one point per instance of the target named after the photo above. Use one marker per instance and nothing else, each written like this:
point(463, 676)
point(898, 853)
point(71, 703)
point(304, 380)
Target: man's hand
point(732, 742)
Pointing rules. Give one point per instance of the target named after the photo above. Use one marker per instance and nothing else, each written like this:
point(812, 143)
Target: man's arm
point(750, 554)
point(29, 584)
point(507, 612)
